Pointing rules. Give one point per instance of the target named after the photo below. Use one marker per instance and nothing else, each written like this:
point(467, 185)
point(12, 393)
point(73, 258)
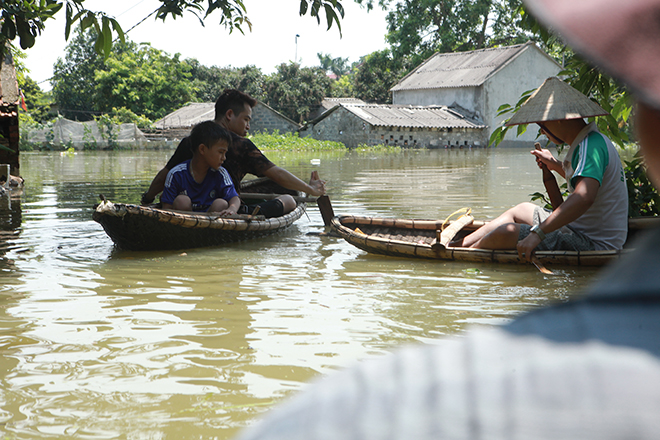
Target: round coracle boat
point(145, 228)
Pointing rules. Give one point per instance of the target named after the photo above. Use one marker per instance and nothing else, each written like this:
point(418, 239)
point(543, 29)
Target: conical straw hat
point(553, 101)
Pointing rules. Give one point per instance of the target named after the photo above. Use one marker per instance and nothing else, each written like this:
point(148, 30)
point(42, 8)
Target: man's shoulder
point(243, 143)
point(598, 139)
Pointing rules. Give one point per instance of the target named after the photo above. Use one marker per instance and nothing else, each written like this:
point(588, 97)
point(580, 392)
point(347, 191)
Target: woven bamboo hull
point(413, 238)
point(146, 228)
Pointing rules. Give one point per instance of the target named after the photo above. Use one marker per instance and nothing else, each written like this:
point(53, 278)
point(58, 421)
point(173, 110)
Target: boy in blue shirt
point(201, 184)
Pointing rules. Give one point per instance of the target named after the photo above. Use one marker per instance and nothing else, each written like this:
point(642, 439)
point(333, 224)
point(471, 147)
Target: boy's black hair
point(232, 99)
point(208, 133)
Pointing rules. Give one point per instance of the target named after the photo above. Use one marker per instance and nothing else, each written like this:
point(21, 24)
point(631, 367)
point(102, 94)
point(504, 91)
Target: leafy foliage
point(144, 80)
point(643, 199)
point(339, 66)
point(297, 91)
point(37, 101)
point(375, 76)
point(140, 78)
point(292, 142)
point(419, 28)
point(74, 81)
point(25, 19)
point(209, 82)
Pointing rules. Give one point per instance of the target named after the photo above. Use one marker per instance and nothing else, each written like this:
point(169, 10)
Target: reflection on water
point(99, 343)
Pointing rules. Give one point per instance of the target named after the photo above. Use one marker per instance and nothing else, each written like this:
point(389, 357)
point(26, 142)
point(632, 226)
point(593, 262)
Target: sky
point(272, 41)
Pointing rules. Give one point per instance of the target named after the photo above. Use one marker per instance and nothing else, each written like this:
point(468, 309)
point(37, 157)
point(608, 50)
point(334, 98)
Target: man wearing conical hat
point(595, 214)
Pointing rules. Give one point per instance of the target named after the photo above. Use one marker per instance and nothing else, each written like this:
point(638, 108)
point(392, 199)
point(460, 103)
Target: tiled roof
point(387, 115)
point(461, 69)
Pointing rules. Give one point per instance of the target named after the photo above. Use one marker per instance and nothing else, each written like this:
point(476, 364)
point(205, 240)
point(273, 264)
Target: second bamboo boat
point(418, 239)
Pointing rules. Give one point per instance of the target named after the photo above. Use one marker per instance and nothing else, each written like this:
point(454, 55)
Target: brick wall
point(345, 127)
point(265, 119)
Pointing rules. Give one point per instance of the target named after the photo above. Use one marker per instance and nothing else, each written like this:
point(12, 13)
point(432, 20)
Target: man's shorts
point(269, 209)
point(563, 239)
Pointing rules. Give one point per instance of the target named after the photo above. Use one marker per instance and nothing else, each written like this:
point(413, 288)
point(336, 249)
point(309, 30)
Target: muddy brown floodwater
point(97, 343)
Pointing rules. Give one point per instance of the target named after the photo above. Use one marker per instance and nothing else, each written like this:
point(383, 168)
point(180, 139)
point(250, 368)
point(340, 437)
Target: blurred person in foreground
point(585, 369)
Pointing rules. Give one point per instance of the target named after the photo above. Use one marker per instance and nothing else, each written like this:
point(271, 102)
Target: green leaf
point(107, 37)
point(67, 26)
point(118, 29)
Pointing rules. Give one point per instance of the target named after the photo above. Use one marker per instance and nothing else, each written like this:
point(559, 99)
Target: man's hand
point(317, 185)
point(545, 157)
point(527, 245)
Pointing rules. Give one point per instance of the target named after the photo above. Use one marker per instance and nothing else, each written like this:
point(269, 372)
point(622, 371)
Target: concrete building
point(178, 124)
point(479, 81)
point(405, 126)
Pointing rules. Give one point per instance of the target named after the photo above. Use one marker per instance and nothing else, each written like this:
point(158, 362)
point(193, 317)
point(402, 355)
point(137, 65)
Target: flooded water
point(98, 343)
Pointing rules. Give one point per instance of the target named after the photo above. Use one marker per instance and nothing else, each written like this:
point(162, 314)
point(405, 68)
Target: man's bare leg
point(502, 237)
point(522, 213)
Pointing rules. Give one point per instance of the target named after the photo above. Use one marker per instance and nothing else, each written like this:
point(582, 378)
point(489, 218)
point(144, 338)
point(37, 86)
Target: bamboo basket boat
point(419, 239)
point(146, 228)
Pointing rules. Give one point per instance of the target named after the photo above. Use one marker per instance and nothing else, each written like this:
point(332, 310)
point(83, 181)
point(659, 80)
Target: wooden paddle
point(541, 267)
point(550, 183)
point(325, 207)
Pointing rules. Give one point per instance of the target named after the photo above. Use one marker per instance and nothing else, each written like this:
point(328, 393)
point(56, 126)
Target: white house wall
point(467, 97)
point(525, 72)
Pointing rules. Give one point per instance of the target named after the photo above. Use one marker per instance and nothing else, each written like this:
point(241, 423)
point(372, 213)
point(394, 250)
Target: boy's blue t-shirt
point(216, 184)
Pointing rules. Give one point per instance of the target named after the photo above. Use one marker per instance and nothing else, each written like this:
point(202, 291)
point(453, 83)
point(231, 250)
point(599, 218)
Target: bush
point(292, 142)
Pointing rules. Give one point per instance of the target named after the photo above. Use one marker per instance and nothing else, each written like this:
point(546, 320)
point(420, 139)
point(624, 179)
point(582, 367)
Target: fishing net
point(64, 133)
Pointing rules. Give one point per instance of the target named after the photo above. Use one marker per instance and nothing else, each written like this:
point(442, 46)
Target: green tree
point(419, 28)
point(296, 91)
point(209, 82)
point(74, 81)
point(339, 66)
point(343, 87)
point(144, 80)
point(375, 76)
point(38, 102)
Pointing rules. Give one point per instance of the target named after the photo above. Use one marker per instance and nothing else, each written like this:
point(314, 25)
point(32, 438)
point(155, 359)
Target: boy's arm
point(234, 204)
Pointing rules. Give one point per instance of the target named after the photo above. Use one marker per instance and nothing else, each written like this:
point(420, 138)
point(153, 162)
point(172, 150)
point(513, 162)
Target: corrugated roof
point(187, 116)
point(193, 113)
point(328, 103)
point(460, 69)
point(388, 115)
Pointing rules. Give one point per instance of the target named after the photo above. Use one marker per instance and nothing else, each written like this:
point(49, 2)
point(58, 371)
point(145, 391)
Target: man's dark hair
point(232, 99)
point(208, 133)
